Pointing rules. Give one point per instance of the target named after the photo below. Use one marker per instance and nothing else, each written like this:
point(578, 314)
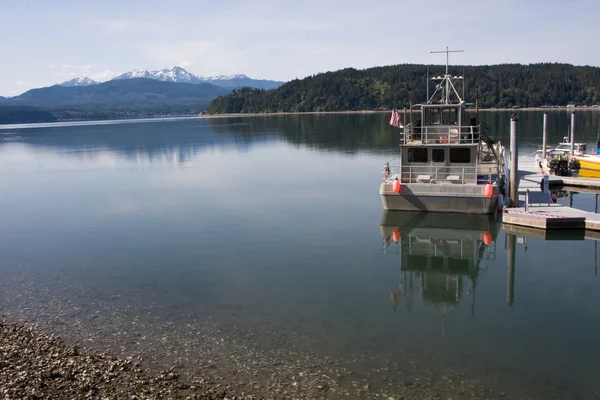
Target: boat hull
point(589, 167)
point(466, 199)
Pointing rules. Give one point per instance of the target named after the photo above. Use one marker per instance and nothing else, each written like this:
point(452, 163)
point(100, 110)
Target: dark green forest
point(501, 86)
point(24, 114)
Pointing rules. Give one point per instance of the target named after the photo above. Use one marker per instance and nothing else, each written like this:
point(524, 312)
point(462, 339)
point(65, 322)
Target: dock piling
point(514, 163)
point(545, 135)
point(572, 135)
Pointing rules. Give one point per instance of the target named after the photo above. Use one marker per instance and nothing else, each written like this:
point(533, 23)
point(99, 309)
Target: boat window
point(432, 116)
point(583, 148)
point(460, 155)
point(438, 155)
point(417, 154)
point(449, 116)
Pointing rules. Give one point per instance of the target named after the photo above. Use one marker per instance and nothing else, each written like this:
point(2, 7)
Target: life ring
point(444, 139)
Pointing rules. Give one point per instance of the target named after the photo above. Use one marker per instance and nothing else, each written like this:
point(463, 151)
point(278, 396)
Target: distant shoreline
point(572, 109)
point(5, 126)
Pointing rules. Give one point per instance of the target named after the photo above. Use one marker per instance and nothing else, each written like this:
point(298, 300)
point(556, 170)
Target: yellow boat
point(589, 166)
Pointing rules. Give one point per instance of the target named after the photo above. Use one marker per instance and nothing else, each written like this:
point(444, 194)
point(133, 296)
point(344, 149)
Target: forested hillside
point(24, 114)
point(503, 86)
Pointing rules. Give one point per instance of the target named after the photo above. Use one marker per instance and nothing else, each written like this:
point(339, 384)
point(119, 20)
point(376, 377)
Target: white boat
point(559, 161)
point(446, 162)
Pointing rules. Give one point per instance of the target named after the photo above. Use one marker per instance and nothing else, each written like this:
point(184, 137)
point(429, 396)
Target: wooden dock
point(536, 209)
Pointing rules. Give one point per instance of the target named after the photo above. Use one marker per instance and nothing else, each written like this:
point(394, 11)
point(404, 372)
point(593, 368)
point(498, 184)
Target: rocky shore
point(34, 365)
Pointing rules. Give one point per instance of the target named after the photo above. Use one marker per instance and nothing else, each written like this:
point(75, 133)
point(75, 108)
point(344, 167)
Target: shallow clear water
point(270, 230)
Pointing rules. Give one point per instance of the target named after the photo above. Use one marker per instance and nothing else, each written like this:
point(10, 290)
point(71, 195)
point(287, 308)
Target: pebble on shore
point(34, 365)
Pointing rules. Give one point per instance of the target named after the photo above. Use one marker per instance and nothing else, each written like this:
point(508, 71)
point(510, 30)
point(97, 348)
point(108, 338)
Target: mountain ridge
point(181, 75)
point(118, 93)
point(85, 81)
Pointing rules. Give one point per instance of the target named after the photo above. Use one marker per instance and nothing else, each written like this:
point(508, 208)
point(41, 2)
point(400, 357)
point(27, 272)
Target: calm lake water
point(256, 249)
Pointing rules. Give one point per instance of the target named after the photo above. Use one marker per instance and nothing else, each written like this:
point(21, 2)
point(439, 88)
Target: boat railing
point(444, 134)
point(434, 174)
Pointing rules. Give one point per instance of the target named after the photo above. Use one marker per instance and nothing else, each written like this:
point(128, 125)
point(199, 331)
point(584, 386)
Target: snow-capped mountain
point(175, 74)
point(136, 73)
point(179, 75)
point(79, 82)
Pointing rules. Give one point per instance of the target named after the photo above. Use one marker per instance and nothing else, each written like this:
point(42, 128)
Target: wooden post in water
point(510, 281)
point(572, 135)
point(514, 163)
point(545, 137)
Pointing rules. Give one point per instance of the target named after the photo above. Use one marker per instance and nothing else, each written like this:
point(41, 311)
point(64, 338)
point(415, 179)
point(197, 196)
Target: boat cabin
point(565, 148)
point(442, 147)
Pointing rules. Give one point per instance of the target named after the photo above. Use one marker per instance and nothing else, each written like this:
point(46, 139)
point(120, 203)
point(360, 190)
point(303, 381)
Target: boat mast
point(447, 76)
point(427, 83)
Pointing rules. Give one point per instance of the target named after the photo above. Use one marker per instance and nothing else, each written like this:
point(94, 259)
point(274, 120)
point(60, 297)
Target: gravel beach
point(34, 365)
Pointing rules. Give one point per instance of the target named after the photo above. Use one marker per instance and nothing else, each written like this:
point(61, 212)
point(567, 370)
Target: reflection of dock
point(546, 234)
point(512, 231)
point(442, 251)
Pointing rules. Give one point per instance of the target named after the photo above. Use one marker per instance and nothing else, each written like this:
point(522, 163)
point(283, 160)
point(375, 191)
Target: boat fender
point(396, 236)
point(487, 238)
point(444, 139)
point(396, 185)
point(488, 190)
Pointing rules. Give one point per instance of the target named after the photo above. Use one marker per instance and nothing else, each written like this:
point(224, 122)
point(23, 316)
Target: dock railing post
point(545, 135)
point(527, 200)
point(572, 135)
point(514, 163)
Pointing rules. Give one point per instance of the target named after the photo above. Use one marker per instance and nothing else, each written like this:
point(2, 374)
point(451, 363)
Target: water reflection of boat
point(440, 254)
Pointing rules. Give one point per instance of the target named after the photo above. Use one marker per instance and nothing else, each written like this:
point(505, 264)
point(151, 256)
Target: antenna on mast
point(448, 55)
point(446, 78)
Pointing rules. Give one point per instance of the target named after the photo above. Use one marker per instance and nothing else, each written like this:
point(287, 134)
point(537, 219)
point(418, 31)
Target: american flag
point(395, 120)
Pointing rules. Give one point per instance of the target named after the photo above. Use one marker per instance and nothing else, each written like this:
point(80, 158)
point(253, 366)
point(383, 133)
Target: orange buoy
point(396, 186)
point(396, 236)
point(487, 238)
point(488, 190)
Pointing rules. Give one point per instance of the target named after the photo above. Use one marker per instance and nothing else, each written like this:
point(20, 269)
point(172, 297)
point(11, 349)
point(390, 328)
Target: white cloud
point(185, 64)
point(103, 75)
point(66, 67)
point(68, 71)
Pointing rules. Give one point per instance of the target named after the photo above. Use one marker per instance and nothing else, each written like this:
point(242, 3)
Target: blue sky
point(46, 42)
